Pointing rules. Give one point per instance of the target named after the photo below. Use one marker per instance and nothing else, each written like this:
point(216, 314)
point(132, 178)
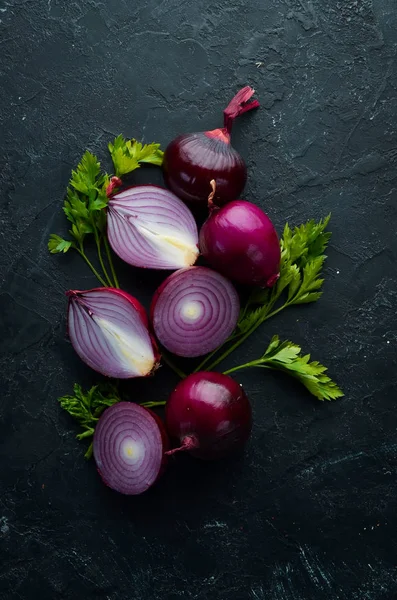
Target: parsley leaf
point(128, 154)
point(87, 407)
point(287, 357)
point(85, 177)
point(300, 281)
point(57, 244)
point(87, 197)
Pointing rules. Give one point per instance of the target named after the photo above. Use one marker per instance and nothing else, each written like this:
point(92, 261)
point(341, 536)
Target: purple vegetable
point(108, 329)
point(209, 414)
point(240, 241)
point(129, 446)
point(147, 226)
point(193, 159)
point(194, 311)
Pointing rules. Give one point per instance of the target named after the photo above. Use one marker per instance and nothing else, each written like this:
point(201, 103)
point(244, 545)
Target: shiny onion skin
point(240, 241)
point(129, 448)
point(194, 311)
point(192, 160)
point(108, 329)
point(149, 227)
point(209, 414)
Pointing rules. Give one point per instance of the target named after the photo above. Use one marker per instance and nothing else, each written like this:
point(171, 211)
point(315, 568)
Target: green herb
point(300, 282)
point(287, 357)
point(86, 199)
point(87, 407)
point(127, 154)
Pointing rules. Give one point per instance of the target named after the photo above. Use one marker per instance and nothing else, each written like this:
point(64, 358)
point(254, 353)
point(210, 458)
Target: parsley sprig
point(87, 198)
point(87, 406)
point(300, 282)
point(127, 155)
point(287, 357)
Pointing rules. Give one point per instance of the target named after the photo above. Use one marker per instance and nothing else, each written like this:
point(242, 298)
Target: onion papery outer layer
point(108, 329)
point(209, 414)
point(240, 241)
point(129, 446)
point(191, 161)
point(150, 227)
point(194, 311)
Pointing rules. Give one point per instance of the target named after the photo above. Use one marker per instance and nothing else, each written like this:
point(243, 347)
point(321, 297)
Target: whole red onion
point(210, 414)
point(240, 241)
point(193, 159)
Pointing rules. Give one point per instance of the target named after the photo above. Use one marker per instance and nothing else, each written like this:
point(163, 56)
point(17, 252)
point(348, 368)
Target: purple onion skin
point(210, 414)
point(191, 161)
point(240, 241)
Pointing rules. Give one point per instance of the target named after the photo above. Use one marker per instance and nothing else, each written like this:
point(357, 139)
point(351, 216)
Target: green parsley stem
point(211, 354)
point(253, 363)
point(88, 454)
point(98, 245)
point(93, 269)
point(243, 338)
point(172, 365)
point(151, 404)
point(110, 261)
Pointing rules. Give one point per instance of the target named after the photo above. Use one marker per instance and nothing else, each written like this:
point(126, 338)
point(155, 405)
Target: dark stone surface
point(309, 512)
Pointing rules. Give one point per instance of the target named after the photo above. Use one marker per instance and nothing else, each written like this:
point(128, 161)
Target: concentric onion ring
point(194, 311)
point(129, 448)
point(150, 227)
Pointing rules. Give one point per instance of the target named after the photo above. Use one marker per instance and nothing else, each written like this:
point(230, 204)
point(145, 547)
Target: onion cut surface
point(129, 446)
point(148, 226)
point(194, 311)
point(108, 329)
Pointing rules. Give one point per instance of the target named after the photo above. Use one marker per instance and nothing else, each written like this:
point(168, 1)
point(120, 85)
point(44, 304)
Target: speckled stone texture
point(309, 511)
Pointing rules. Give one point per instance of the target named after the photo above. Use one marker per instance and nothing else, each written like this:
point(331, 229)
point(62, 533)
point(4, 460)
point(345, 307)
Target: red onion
point(210, 415)
point(194, 311)
point(108, 329)
point(147, 226)
point(129, 446)
point(240, 241)
point(193, 159)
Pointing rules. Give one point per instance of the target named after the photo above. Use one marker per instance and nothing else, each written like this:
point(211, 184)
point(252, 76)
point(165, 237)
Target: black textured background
point(309, 512)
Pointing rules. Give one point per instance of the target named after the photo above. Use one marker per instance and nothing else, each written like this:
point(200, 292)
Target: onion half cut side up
point(240, 241)
point(108, 329)
point(194, 311)
point(193, 159)
point(129, 446)
point(210, 415)
point(149, 227)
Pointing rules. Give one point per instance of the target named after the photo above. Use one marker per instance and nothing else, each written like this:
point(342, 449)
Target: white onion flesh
point(108, 332)
point(150, 227)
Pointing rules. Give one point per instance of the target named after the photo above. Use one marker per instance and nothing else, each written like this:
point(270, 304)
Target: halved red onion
point(108, 329)
point(150, 227)
point(194, 311)
point(129, 446)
